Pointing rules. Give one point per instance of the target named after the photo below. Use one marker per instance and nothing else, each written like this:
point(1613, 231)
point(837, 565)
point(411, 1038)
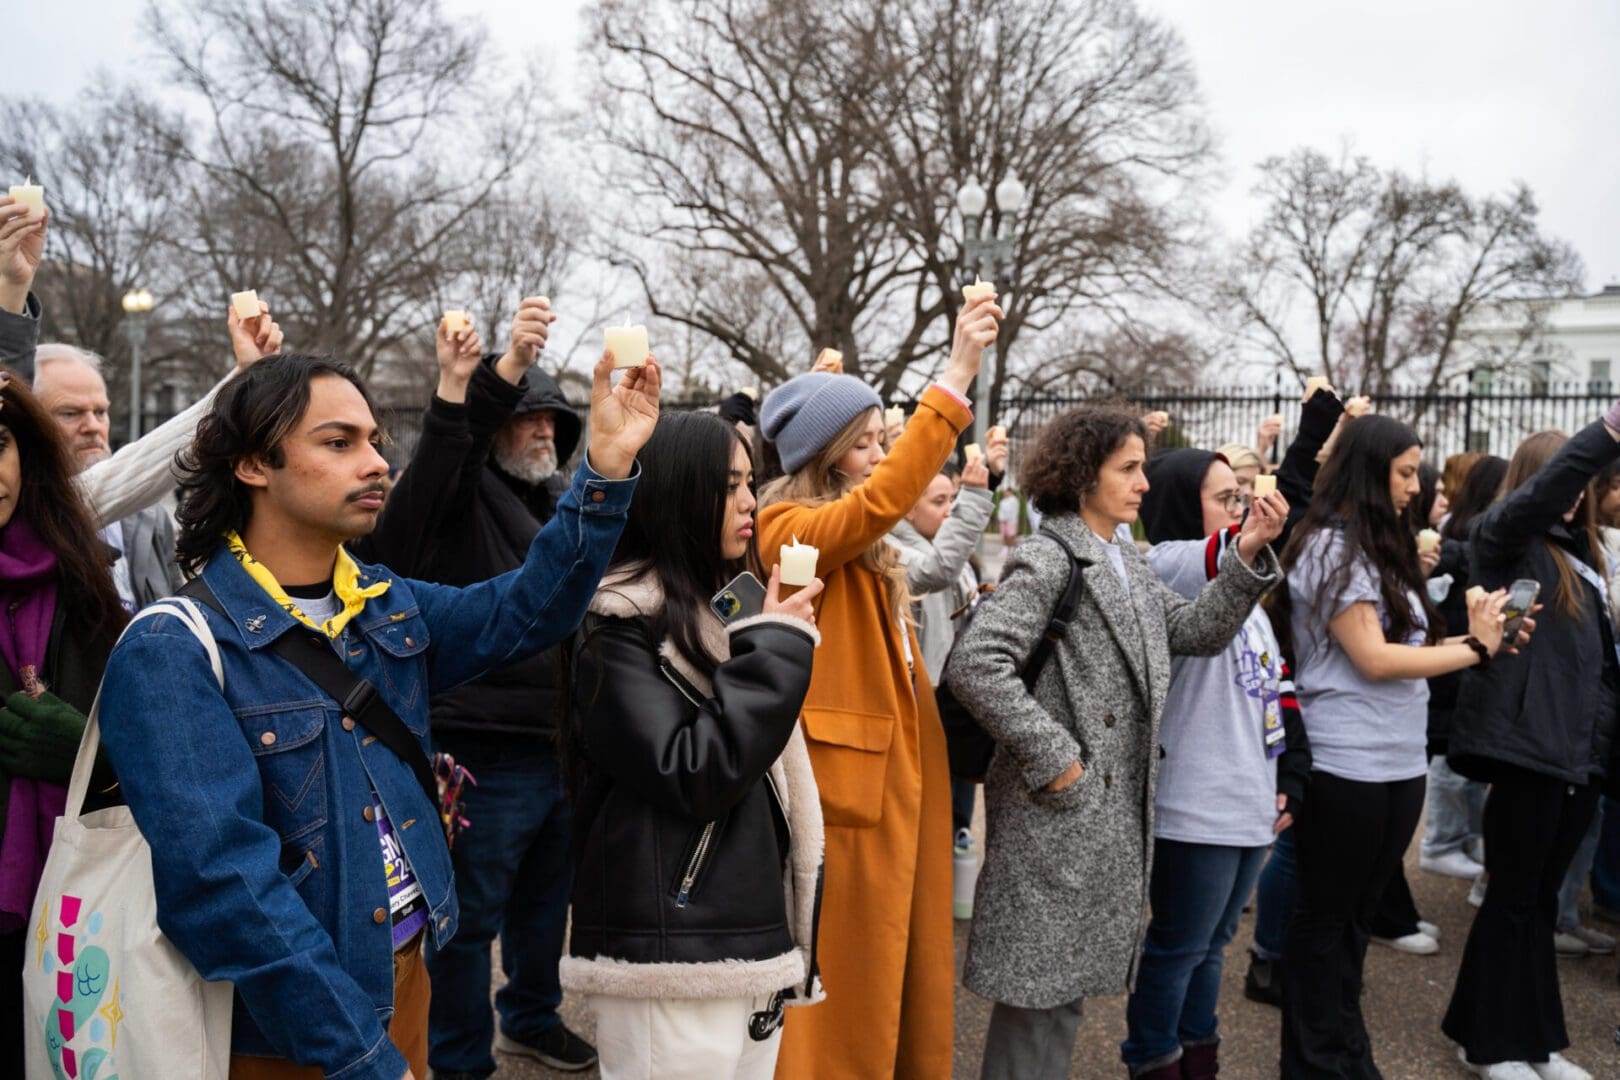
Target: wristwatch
point(1479, 648)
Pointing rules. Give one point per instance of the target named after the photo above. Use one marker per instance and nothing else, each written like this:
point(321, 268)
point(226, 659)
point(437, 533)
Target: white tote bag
point(105, 994)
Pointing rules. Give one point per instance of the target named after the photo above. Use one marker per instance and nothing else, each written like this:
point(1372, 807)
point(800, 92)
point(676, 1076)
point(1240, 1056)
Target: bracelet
point(1479, 648)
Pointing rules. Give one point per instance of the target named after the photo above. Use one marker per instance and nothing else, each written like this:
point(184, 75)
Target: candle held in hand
point(799, 563)
point(29, 194)
point(1315, 383)
point(830, 360)
point(1428, 540)
point(1358, 406)
point(1265, 484)
point(894, 416)
point(245, 304)
point(628, 344)
point(996, 432)
point(455, 322)
point(1473, 594)
point(977, 289)
point(972, 452)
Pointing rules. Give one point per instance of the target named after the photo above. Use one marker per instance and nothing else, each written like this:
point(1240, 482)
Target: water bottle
point(964, 876)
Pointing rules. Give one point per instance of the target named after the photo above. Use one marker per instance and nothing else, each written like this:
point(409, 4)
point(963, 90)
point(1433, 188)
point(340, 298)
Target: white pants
point(682, 1038)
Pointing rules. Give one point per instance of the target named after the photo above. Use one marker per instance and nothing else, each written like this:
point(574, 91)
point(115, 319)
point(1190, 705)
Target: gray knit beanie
point(806, 413)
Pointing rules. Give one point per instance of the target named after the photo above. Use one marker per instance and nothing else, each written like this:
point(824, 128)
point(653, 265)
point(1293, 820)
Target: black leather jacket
point(680, 834)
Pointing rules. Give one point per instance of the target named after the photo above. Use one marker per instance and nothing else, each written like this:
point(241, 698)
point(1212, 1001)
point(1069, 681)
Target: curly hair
point(49, 501)
point(1069, 452)
point(251, 418)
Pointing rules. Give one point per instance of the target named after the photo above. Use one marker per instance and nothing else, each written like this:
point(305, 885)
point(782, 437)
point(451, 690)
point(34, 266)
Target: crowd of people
point(589, 716)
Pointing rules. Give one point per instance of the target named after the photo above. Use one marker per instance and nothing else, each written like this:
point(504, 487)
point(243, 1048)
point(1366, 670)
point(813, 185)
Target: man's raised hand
point(458, 356)
point(253, 339)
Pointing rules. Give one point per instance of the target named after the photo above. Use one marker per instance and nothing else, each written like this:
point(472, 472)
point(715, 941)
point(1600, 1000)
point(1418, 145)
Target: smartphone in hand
point(742, 598)
point(1522, 596)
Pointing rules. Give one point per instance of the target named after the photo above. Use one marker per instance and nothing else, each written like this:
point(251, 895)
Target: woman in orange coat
point(885, 943)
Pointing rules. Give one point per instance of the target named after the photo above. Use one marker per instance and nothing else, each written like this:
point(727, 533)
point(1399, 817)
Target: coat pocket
point(849, 752)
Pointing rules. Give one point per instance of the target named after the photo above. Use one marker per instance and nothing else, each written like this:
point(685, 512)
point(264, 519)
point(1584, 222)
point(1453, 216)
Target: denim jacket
point(256, 801)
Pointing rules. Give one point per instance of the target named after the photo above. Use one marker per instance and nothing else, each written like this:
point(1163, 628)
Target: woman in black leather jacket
point(698, 823)
point(1539, 727)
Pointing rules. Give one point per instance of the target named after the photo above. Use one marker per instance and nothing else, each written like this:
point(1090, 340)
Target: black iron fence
point(1483, 415)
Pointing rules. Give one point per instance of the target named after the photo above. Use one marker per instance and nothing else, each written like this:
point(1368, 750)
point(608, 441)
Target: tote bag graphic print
point(106, 995)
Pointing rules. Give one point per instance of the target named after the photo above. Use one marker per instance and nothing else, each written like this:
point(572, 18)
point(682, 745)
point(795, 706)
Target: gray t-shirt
point(1374, 731)
point(1217, 782)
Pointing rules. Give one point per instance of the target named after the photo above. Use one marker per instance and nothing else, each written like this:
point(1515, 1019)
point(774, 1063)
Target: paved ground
point(1405, 998)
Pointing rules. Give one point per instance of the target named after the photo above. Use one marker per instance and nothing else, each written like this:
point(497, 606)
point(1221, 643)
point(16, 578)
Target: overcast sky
point(1485, 92)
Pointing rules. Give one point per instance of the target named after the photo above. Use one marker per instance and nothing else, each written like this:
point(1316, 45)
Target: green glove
point(39, 737)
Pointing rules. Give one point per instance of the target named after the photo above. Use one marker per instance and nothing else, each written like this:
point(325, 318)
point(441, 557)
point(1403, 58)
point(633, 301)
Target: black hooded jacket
point(456, 518)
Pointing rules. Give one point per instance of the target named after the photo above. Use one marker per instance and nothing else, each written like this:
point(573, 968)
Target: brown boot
point(1198, 1061)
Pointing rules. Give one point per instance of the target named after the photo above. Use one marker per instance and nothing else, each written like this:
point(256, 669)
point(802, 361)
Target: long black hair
point(251, 418)
point(1480, 486)
point(1352, 495)
point(676, 516)
point(1421, 507)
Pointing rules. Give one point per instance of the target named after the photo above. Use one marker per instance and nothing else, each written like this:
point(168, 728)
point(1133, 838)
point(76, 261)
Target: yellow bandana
point(345, 582)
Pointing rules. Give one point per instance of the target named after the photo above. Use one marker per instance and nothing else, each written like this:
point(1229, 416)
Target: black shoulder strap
point(1058, 625)
point(358, 698)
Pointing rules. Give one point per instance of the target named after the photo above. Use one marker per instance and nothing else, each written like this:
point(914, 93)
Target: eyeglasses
point(1232, 501)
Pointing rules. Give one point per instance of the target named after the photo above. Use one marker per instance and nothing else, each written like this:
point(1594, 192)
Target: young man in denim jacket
point(293, 853)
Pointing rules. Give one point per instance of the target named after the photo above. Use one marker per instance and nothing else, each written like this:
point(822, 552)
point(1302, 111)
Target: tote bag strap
point(84, 764)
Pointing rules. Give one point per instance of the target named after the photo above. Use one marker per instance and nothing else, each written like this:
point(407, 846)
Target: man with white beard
point(500, 429)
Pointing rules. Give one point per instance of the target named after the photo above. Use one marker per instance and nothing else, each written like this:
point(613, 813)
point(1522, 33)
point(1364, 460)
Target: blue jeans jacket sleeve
point(191, 781)
point(475, 630)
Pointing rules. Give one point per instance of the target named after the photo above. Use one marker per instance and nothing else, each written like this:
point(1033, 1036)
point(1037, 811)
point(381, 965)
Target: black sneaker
point(558, 1048)
point(1260, 984)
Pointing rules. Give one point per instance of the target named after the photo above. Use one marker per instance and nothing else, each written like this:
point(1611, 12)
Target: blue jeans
point(1197, 892)
point(1274, 900)
point(1456, 811)
point(513, 874)
point(1606, 867)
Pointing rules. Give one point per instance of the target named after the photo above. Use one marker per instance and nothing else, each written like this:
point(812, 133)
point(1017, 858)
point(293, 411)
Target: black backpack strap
point(312, 654)
point(1058, 625)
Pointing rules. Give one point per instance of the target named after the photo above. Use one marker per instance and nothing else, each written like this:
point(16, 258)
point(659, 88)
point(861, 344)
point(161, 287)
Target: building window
point(1540, 377)
point(1600, 376)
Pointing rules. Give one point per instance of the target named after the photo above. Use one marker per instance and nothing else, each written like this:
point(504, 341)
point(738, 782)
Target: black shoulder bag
point(967, 743)
point(312, 654)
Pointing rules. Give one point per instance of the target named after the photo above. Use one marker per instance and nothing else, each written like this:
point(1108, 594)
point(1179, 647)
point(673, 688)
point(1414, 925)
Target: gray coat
point(1062, 897)
point(934, 571)
point(149, 551)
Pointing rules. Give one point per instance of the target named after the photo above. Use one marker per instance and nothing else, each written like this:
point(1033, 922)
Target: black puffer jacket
point(1552, 708)
point(698, 796)
point(455, 518)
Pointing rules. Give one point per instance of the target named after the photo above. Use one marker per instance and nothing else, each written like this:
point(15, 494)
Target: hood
point(1173, 508)
point(542, 392)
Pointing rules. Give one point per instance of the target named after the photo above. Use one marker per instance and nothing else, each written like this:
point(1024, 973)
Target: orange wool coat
point(885, 942)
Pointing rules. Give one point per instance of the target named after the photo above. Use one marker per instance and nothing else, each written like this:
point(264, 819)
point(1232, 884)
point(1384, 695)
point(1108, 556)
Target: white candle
point(1428, 540)
point(1357, 406)
point(1474, 593)
point(972, 452)
point(830, 359)
point(628, 344)
point(1315, 383)
point(894, 416)
point(799, 563)
point(455, 322)
point(1276, 418)
point(978, 289)
point(997, 432)
point(246, 304)
point(1264, 484)
point(29, 194)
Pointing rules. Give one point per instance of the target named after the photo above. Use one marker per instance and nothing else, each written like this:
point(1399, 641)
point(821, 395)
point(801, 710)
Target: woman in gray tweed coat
point(1069, 797)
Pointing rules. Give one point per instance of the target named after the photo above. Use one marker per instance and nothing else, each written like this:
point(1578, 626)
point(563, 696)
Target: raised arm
point(1296, 476)
point(189, 777)
point(22, 248)
point(1517, 519)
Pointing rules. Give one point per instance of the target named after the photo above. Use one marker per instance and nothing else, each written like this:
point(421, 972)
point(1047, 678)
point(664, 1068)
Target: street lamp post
point(137, 305)
point(988, 256)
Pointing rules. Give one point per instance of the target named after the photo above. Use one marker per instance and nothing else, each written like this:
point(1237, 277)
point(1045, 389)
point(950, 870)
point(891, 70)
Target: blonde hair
point(818, 482)
point(1241, 457)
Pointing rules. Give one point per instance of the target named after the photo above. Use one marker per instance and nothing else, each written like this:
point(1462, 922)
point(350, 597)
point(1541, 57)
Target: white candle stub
point(1474, 593)
point(1276, 418)
point(1358, 406)
point(245, 304)
point(799, 563)
point(894, 416)
point(29, 194)
point(628, 344)
point(1315, 383)
point(1265, 484)
point(977, 289)
point(1428, 540)
point(972, 452)
point(455, 322)
point(996, 432)
point(830, 360)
